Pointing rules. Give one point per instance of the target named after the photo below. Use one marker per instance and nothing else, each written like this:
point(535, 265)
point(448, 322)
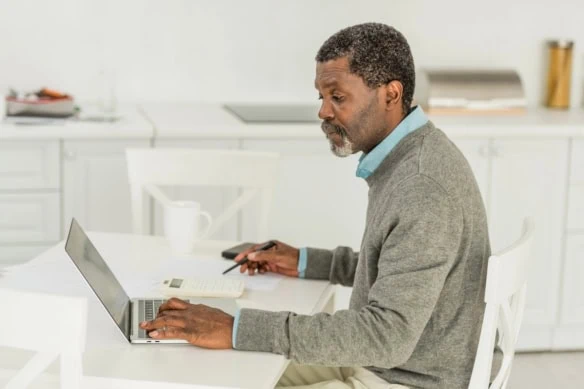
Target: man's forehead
point(331, 72)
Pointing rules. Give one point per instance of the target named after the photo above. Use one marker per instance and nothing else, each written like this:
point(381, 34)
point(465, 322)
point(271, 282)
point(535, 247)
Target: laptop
point(126, 313)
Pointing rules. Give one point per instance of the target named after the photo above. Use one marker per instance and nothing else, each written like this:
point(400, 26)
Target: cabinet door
point(476, 153)
point(573, 287)
point(529, 178)
point(29, 218)
point(29, 164)
point(95, 184)
point(213, 200)
point(318, 201)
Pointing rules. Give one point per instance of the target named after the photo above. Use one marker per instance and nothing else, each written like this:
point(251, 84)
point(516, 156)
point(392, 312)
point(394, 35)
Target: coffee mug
point(181, 225)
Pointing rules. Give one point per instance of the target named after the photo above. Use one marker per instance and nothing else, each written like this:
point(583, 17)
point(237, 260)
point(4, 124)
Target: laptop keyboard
point(147, 310)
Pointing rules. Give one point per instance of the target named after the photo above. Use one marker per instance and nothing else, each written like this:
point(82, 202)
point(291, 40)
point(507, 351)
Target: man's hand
point(281, 258)
point(200, 325)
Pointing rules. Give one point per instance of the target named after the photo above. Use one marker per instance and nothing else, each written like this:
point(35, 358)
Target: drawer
point(29, 218)
point(576, 206)
point(15, 255)
point(577, 174)
point(29, 165)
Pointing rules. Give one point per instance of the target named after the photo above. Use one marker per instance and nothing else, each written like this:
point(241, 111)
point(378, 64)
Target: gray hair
point(377, 53)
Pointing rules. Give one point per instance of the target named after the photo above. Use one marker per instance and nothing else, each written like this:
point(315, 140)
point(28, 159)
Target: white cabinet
point(318, 201)
point(573, 288)
point(29, 164)
point(529, 179)
point(213, 200)
point(29, 217)
point(95, 184)
point(476, 152)
point(569, 334)
point(30, 206)
point(521, 178)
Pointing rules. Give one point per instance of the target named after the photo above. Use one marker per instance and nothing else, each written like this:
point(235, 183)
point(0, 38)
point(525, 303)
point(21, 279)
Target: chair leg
point(71, 370)
point(31, 370)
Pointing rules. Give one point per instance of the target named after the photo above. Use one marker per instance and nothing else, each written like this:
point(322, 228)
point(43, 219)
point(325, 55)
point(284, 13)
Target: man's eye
point(320, 97)
point(338, 98)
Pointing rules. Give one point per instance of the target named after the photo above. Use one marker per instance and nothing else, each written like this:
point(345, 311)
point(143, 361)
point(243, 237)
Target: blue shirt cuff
point(302, 259)
point(234, 333)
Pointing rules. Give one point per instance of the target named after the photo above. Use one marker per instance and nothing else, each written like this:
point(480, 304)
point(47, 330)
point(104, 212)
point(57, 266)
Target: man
point(418, 281)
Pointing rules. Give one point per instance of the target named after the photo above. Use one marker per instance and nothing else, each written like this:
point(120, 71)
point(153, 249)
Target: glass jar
point(559, 73)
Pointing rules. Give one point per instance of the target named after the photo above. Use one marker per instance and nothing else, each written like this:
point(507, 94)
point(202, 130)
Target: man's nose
point(325, 112)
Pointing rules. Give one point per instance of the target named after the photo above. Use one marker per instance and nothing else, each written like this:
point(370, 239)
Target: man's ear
point(394, 91)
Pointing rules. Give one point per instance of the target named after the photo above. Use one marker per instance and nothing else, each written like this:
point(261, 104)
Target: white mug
point(181, 225)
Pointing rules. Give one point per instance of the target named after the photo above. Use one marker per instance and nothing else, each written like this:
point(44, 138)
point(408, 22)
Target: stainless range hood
point(470, 91)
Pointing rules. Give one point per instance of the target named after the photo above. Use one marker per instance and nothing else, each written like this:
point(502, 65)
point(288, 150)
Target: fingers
point(169, 333)
point(173, 303)
point(249, 267)
point(250, 250)
point(163, 321)
point(265, 256)
point(263, 267)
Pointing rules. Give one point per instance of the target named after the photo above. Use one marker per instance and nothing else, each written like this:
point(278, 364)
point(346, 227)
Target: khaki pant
point(323, 377)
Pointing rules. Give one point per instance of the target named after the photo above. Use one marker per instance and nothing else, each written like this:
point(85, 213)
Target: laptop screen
point(99, 276)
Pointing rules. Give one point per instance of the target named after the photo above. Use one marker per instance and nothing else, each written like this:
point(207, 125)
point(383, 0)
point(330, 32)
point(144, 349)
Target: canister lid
point(561, 43)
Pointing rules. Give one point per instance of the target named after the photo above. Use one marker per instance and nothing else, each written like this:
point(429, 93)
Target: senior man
point(418, 280)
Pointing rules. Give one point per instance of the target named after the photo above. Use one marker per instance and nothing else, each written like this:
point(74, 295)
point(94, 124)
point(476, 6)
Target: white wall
point(263, 50)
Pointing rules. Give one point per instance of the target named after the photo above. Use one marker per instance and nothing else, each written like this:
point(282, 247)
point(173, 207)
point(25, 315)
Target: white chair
point(505, 298)
point(254, 172)
point(54, 326)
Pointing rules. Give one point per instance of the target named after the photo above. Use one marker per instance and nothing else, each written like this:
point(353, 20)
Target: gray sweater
point(418, 281)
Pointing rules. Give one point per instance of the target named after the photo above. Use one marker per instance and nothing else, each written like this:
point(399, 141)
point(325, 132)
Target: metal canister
point(559, 73)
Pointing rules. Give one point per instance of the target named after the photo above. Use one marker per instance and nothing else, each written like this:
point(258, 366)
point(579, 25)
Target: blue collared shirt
point(368, 163)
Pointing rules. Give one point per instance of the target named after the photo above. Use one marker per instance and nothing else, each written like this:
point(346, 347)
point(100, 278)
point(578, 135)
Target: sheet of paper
point(203, 268)
point(266, 281)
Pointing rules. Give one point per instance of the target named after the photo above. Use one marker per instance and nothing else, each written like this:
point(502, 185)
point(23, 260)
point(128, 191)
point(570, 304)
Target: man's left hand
point(200, 325)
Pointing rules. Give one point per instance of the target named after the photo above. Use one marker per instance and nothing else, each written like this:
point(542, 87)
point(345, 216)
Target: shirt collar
point(369, 162)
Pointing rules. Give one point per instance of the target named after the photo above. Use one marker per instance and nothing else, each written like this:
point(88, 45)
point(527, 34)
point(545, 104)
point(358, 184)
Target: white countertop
point(204, 121)
point(212, 121)
point(132, 125)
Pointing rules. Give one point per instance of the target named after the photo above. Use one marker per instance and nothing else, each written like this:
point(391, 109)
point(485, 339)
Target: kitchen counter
point(212, 121)
point(132, 125)
point(204, 121)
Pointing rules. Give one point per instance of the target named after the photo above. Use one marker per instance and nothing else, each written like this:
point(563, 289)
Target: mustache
point(328, 128)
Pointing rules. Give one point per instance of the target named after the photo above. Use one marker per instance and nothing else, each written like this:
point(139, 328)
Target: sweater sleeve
point(415, 257)
point(338, 265)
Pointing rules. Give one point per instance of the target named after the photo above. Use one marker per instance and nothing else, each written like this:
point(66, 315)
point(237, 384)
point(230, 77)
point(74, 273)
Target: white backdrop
point(262, 50)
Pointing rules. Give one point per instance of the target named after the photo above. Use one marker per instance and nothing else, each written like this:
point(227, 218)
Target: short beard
point(347, 148)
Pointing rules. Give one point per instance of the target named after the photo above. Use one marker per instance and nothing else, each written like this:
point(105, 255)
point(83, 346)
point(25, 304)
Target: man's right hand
point(281, 258)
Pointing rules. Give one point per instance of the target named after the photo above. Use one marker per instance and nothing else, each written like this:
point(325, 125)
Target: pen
point(266, 246)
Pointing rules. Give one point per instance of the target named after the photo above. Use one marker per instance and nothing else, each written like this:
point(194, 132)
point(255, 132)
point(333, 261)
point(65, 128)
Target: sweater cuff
point(259, 330)
point(302, 258)
point(235, 325)
point(319, 266)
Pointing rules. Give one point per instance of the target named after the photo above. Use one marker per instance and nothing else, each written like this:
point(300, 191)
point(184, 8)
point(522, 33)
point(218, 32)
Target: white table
point(111, 362)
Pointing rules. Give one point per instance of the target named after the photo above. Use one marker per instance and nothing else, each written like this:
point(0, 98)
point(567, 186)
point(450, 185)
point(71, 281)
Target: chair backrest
point(254, 172)
point(54, 326)
point(505, 298)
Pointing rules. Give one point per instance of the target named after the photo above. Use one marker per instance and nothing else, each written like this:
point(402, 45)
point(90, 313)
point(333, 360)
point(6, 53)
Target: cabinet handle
point(70, 155)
